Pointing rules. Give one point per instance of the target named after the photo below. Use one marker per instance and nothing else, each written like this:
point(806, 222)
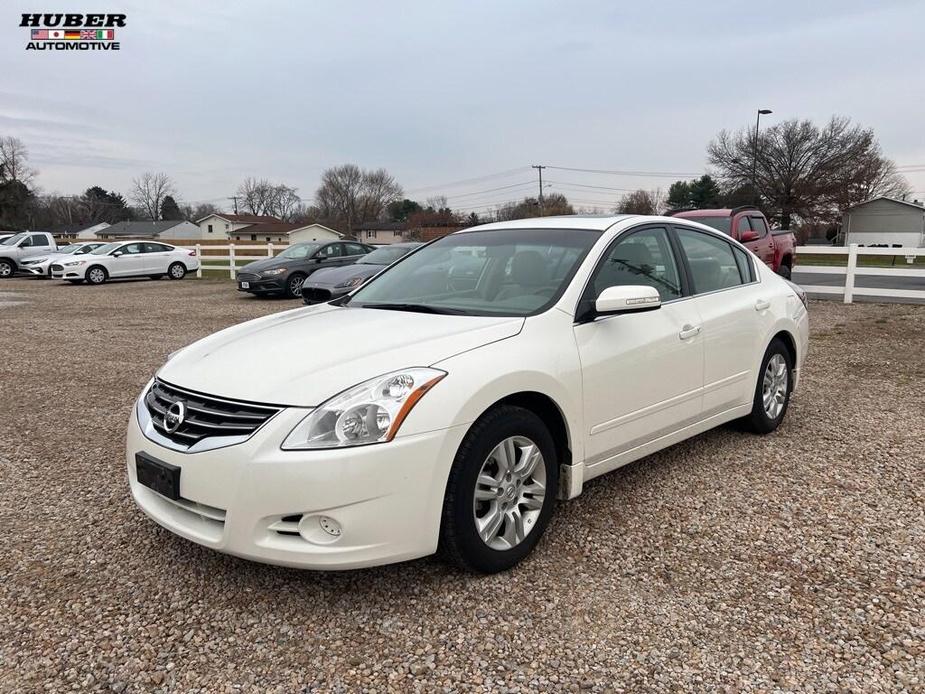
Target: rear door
point(734, 313)
point(157, 257)
point(332, 255)
point(764, 246)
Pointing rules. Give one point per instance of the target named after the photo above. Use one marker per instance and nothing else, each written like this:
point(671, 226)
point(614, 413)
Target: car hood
point(332, 276)
point(305, 356)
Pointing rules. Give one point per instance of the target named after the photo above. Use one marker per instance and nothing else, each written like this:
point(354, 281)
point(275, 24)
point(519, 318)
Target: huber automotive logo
point(72, 32)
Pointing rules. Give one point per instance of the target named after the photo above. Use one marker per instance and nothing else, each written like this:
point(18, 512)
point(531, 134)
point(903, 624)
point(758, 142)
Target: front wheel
point(772, 393)
point(294, 285)
point(501, 491)
point(96, 275)
point(177, 271)
point(6, 269)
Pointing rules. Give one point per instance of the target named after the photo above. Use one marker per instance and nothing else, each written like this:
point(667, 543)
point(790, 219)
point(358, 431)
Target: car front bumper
point(319, 294)
point(256, 501)
point(60, 272)
point(36, 269)
point(263, 285)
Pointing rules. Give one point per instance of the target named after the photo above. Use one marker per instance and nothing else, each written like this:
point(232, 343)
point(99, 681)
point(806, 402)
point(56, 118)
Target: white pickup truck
point(23, 245)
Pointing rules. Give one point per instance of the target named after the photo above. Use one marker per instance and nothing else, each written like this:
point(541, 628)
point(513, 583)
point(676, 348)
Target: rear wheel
point(177, 271)
point(772, 392)
point(784, 271)
point(6, 269)
point(96, 275)
point(294, 285)
point(501, 491)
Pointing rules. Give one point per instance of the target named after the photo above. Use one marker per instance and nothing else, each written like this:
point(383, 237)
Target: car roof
point(572, 221)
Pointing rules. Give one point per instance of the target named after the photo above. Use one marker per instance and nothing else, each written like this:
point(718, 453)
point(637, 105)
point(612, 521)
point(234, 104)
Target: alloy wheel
point(295, 285)
point(97, 276)
point(774, 386)
point(177, 271)
point(6, 270)
point(509, 493)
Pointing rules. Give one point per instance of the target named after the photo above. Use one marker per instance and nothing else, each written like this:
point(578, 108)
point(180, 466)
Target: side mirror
point(117, 254)
point(627, 298)
point(747, 236)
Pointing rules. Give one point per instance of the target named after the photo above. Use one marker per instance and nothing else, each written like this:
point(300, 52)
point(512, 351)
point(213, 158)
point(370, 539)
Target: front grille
point(315, 295)
point(205, 416)
point(57, 268)
point(247, 277)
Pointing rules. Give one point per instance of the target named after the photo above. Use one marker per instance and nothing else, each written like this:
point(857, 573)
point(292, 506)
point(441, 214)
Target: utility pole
point(539, 169)
point(235, 198)
point(761, 112)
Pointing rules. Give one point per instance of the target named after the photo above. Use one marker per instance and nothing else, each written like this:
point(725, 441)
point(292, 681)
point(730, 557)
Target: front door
point(130, 262)
point(642, 372)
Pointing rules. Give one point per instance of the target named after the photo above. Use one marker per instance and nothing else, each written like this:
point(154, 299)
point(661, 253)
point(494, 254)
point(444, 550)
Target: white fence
point(231, 258)
point(851, 271)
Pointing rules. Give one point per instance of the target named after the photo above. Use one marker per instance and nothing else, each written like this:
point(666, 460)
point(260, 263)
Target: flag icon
point(55, 34)
point(72, 35)
point(97, 34)
point(40, 34)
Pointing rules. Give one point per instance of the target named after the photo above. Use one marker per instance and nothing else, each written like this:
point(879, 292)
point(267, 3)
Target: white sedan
point(40, 265)
point(447, 403)
point(124, 259)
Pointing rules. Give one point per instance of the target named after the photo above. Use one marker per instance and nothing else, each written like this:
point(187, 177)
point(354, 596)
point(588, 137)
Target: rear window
point(718, 223)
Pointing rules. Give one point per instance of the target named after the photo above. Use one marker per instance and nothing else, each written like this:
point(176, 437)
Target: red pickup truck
point(750, 227)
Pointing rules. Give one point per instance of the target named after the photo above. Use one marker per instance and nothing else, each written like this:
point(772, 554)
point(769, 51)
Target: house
point(223, 226)
point(885, 221)
point(166, 230)
point(90, 233)
point(431, 232)
point(380, 232)
point(313, 232)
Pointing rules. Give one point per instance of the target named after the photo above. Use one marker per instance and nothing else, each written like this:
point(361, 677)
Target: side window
point(759, 225)
point(643, 257)
point(332, 250)
point(742, 226)
point(156, 248)
point(355, 249)
point(132, 249)
point(711, 261)
point(745, 265)
point(39, 240)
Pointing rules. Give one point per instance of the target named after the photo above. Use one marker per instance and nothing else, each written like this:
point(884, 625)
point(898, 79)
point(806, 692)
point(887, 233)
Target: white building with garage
point(885, 221)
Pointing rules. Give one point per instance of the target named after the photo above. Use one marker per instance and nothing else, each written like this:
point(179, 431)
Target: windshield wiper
point(416, 308)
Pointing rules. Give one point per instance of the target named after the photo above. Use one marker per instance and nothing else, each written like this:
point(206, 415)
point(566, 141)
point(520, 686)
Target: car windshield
point(13, 239)
point(300, 250)
point(68, 249)
point(516, 272)
point(106, 248)
point(718, 223)
point(385, 256)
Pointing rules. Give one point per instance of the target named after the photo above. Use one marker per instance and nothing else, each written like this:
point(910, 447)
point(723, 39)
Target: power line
point(586, 185)
point(489, 190)
point(613, 172)
point(465, 181)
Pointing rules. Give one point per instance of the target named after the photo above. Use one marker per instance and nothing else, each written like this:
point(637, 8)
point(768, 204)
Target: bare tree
point(14, 161)
point(802, 170)
point(349, 195)
point(149, 191)
point(261, 197)
point(640, 202)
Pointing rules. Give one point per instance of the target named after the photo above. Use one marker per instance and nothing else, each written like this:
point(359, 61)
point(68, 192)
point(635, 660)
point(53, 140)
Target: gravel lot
point(729, 562)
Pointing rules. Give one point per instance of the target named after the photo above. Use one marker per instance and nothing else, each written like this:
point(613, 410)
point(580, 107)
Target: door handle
point(762, 305)
point(689, 331)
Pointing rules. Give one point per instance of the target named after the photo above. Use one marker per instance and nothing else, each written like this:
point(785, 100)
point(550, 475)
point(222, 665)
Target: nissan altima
point(420, 414)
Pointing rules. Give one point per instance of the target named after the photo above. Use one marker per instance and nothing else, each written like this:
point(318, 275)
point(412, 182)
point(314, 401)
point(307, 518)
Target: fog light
point(319, 530)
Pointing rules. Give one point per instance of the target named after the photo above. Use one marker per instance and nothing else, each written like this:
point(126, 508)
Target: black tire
point(294, 285)
point(7, 269)
point(96, 274)
point(460, 541)
point(176, 271)
point(784, 271)
point(759, 421)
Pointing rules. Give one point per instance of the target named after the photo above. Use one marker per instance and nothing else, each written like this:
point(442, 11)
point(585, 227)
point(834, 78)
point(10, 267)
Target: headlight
point(75, 262)
point(370, 412)
point(270, 273)
point(352, 282)
point(34, 261)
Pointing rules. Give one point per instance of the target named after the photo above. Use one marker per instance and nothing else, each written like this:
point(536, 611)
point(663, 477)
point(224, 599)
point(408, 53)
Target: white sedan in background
point(421, 412)
point(40, 265)
point(124, 259)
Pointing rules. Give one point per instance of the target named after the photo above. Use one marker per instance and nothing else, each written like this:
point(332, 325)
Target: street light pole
point(761, 112)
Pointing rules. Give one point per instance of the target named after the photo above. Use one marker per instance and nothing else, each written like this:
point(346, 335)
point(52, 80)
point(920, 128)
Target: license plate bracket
point(158, 476)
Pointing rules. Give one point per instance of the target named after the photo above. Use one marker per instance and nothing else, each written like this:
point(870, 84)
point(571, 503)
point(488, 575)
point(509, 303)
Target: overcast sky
point(436, 92)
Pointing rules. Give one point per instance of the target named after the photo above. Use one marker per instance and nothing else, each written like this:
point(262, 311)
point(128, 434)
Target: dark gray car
point(284, 273)
point(331, 283)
